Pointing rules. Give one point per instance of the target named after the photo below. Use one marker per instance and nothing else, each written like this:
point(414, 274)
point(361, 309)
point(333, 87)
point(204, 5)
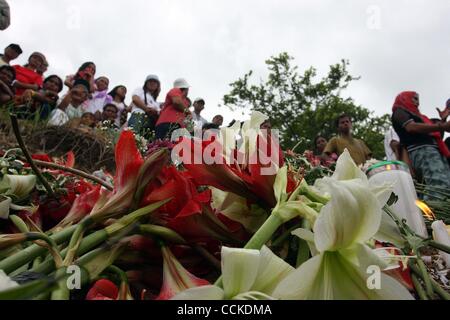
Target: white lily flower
point(249, 132)
point(18, 186)
point(345, 223)
point(346, 169)
point(247, 274)
point(6, 282)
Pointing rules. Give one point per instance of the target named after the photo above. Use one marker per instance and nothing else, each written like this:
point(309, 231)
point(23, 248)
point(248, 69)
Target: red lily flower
point(103, 289)
point(133, 174)
point(189, 212)
point(81, 207)
point(175, 277)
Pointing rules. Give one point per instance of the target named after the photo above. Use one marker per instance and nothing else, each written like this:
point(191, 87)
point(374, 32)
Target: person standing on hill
point(358, 150)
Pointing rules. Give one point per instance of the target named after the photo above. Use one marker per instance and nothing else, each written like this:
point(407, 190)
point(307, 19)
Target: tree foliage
point(302, 107)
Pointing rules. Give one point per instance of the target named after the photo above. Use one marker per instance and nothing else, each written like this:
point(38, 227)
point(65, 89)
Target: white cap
point(181, 83)
point(152, 77)
point(199, 99)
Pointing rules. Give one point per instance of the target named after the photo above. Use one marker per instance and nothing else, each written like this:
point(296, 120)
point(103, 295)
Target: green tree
point(302, 107)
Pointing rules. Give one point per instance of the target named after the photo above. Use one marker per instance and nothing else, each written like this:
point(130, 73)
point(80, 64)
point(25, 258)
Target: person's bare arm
point(415, 128)
point(141, 105)
point(22, 85)
point(65, 101)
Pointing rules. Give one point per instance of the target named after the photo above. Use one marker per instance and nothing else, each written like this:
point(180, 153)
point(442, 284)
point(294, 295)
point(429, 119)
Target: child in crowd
point(118, 95)
point(87, 122)
point(109, 116)
point(72, 105)
point(99, 98)
point(43, 101)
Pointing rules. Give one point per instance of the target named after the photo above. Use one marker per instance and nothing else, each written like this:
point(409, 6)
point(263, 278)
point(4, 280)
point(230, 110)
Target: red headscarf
point(405, 101)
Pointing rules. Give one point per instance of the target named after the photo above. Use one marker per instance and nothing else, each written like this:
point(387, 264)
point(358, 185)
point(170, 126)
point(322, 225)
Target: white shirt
point(198, 120)
point(96, 104)
point(388, 137)
point(151, 103)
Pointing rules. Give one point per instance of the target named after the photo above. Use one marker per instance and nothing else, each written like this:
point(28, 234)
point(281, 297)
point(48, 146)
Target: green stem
point(279, 241)
point(436, 287)
point(89, 242)
point(264, 233)
point(162, 232)
point(15, 126)
point(28, 254)
point(122, 275)
point(62, 292)
point(425, 277)
point(419, 289)
point(76, 239)
point(439, 246)
point(19, 223)
point(312, 195)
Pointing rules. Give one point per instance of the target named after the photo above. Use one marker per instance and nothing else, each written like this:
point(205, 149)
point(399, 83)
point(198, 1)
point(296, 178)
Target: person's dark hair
point(154, 94)
point(317, 138)
point(16, 48)
point(342, 116)
point(85, 65)
point(60, 82)
point(10, 69)
point(209, 125)
point(83, 83)
point(113, 92)
point(110, 105)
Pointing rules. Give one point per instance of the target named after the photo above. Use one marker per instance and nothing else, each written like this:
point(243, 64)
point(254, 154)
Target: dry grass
point(92, 150)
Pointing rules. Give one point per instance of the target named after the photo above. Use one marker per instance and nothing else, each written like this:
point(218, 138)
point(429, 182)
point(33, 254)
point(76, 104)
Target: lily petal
point(346, 169)
point(331, 276)
point(238, 270)
point(176, 278)
point(352, 215)
point(272, 269)
point(235, 208)
point(17, 185)
point(208, 292)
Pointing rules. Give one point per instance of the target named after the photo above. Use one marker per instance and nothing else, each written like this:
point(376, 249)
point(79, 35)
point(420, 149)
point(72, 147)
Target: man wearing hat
point(199, 121)
point(176, 109)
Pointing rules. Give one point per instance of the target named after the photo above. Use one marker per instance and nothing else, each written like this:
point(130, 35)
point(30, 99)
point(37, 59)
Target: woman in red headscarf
point(422, 139)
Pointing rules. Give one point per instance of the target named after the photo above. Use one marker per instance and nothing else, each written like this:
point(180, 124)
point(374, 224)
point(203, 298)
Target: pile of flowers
point(235, 228)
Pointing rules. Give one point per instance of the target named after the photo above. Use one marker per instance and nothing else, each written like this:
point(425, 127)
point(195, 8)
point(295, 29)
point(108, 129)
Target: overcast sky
point(393, 45)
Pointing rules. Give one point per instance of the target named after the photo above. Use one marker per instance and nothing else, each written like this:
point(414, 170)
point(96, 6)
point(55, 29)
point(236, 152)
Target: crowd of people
point(89, 102)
